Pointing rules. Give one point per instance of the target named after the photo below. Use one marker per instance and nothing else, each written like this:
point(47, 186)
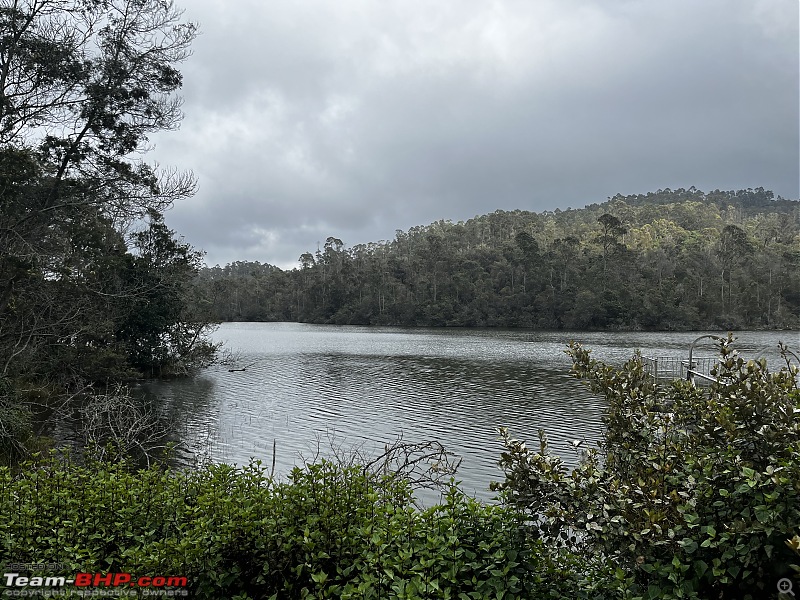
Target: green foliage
point(15, 425)
point(794, 545)
point(677, 259)
point(84, 83)
point(326, 532)
point(86, 298)
point(694, 490)
point(161, 332)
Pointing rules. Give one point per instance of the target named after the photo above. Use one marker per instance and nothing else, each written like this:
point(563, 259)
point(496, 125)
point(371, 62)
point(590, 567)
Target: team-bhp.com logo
point(94, 584)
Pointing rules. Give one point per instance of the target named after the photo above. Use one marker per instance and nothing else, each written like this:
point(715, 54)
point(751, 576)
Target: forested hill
point(671, 259)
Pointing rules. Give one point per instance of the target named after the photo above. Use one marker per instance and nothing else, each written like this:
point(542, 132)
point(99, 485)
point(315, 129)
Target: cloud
point(306, 119)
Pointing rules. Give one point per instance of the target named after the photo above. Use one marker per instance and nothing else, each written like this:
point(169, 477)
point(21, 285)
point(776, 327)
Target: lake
point(307, 389)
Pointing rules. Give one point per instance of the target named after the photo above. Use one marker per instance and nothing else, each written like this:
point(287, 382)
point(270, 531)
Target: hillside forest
point(671, 259)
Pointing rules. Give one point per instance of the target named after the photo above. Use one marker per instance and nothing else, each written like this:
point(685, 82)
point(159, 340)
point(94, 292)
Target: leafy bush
point(329, 531)
point(794, 544)
point(693, 491)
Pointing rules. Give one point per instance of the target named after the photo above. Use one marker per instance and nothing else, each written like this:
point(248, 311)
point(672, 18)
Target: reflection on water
point(307, 386)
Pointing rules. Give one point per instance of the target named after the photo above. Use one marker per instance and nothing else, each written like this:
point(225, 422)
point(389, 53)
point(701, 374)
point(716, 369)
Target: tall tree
point(82, 85)
point(611, 231)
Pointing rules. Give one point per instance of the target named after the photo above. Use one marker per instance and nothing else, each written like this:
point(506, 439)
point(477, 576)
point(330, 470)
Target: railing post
point(689, 373)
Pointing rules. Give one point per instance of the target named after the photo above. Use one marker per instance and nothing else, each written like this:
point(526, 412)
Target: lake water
point(308, 388)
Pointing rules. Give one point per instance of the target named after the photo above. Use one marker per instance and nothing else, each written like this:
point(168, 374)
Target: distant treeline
point(671, 259)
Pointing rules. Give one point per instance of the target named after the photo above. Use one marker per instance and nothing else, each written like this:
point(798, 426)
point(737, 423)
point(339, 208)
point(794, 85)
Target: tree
point(609, 236)
point(733, 249)
point(160, 331)
point(82, 85)
point(524, 269)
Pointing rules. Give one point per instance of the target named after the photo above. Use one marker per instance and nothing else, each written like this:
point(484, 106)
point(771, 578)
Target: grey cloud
point(307, 119)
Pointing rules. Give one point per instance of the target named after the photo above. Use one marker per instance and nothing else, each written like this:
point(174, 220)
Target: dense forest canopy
point(671, 259)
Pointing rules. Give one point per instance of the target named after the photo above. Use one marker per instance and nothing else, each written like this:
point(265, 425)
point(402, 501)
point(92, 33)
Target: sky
point(306, 119)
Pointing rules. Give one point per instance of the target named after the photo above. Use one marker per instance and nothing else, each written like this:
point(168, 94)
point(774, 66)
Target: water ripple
point(308, 387)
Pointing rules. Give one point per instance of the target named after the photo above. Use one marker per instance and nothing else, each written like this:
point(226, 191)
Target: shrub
point(328, 531)
point(693, 491)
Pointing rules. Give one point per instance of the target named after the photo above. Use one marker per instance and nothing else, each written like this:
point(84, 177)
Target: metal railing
point(667, 368)
point(697, 370)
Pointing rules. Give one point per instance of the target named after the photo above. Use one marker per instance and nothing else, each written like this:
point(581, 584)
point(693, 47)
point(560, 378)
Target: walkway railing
point(667, 368)
point(695, 369)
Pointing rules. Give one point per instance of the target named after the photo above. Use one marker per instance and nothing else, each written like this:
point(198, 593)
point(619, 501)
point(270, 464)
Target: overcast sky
point(353, 118)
